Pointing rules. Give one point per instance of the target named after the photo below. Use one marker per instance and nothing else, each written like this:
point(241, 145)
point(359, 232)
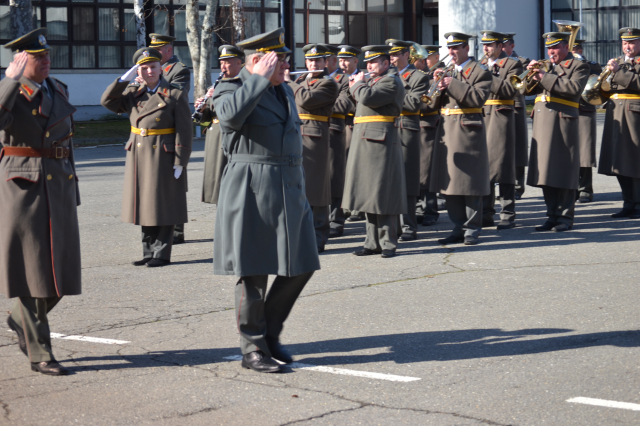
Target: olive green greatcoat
point(338, 136)
point(177, 73)
point(620, 149)
point(500, 121)
point(461, 159)
point(316, 96)
point(587, 126)
point(214, 158)
point(152, 196)
point(39, 237)
point(416, 83)
point(375, 181)
point(522, 129)
point(264, 224)
point(429, 118)
point(555, 150)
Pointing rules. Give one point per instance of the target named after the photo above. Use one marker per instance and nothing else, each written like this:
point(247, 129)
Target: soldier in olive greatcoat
point(620, 150)
point(39, 237)
point(460, 168)
point(554, 162)
point(157, 153)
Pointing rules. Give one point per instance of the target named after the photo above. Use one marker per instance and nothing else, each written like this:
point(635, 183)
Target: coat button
point(34, 112)
point(155, 146)
point(138, 143)
point(157, 118)
point(46, 135)
point(159, 104)
point(70, 177)
point(49, 177)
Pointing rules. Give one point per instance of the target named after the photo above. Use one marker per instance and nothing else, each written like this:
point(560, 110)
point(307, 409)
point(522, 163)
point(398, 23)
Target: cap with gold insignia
point(347, 51)
point(146, 55)
point(578, 44)
point(375, 51)
point(489, 37)
point(315, 51)
point(272, 41)
point(431, 49)
point(398, 45)
point(628, 33)
point(456, 39)
point(227, 51)
point(33, 42)
point(333, 50)
point(508, 37)
point(554, 38)
point(158, 40)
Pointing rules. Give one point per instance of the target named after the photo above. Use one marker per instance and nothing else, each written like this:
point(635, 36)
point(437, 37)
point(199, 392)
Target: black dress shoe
point(335, 233)
point(154, 263)
point(278, 351)
point(547, 226)
point(451, 239)
point(141, 262)
point(407, 236)
point(258, 361)
point(50, 368)
point(561, 227)
point(320, 249)
point(356, 218)
point(470, 240)
point(22, 342)
point(364, 252)
point(635, 214)
point(622, 213)
point(518, 195)
point(488, 223)
point(585, 199)
point(177, 240)
point(506, 224)
point(388, 253)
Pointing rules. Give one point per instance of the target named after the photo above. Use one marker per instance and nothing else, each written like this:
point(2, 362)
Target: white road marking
point(342, 371)
point(605, 403)
point(89, 339)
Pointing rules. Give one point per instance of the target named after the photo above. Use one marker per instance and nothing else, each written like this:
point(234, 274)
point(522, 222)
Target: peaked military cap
point(347, 51)
point(508, 37)
point(33, 42)
point(146, 55)
point(229, 51)
point(578, 44)
point(272, 41)
point(398, 45)
point(456, 39)
point(431, 49)
point(158, 40)
point(314, 51)
point(374, 51)
point(333, 50)
point(628, 33)
point(554, 38)
point(489, 37)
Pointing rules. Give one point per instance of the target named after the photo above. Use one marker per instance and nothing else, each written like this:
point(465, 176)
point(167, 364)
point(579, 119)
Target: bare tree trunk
point(237, 15)
point(193, 38)
point(141, 29)
point(21, 17)
point(202, 74)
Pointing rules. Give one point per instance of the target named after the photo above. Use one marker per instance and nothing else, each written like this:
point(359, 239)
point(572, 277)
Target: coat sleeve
point(113, 98)
point(376, 95)
point(322, 94)
point(419, 85)
point(234, 103)
point(343, 103)
point(182, 78)
point(628, 79)
point(503, 87)
point(184, 129)
point(9, 89)
point(471, 95)
point(208, 111)
point(567, 87)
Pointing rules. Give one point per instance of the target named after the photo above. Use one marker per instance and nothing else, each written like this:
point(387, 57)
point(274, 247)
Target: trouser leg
point(321, 224)
point(252, 325)
point(520, 181)
point(465, 211)
point(489, 204)
point(507, 202)
point(585, 182)
point(337, 215)
point(626, 186)
point(382, 232)
point(636, 192)
point(409, 221)
point(421, 204)
point(560, 204)
point(31, 315)
point(178, 231)
point(157, 241)
point(280, 300)
point(431, 210)
point(371, 240)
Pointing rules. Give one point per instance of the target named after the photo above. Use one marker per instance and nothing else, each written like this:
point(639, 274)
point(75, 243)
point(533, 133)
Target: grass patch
point(102, 129)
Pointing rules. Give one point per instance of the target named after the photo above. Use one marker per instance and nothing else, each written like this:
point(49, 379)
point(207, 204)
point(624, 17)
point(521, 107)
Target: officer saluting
point(39, 237)
point(157, 152)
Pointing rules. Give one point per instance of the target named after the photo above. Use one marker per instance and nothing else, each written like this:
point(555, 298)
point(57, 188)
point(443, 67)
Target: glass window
point(108, 24)
point(561, 4)
point(272, 21)
point(629, 3)
point(376, 30)
point(395, 6)
point(356, 5)
point(108, 1)
point(299, 28)
point(395, 27)
point(315, 4)
point(83, 1)
point(252, 24)
point(608, 21)
point(588, 31)
point(585, 4)
point(357, 30)
point(109, 56)
point(300, 58)
point(272, 3)
point(252, 3)
point(376, 5)
point(609, 3)
point(59, 56)
point(128, 55)
point(36, 17)
point(566, 16)
point(57, 23)
point(182, 52)
point(631, 18)
point(84, 57)
point(337, 30)
point(83, 23)
point(316, 28)
point(5, 23)
point(336, 4)
point(160, 22)
point(129, 25)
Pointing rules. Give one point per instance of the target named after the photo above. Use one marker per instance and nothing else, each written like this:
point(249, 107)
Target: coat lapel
point(62, 109)
point(155, 101)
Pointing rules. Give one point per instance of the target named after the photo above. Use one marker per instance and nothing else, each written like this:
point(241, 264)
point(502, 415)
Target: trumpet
point(520, 82)
point(438, 63)
point(433, 92)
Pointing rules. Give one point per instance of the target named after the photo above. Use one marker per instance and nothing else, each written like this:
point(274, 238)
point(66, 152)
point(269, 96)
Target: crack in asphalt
point(5, 409)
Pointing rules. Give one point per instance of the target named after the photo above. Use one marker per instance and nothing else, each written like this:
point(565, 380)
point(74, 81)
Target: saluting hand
point(16, 67)
point(613, 65)
point(266, 65)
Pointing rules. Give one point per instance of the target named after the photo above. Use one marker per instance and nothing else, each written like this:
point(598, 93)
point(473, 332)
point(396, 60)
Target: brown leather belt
point(59, 152)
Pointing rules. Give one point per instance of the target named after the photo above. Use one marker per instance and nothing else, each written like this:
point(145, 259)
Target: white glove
point(128, 76)
point(178, 171)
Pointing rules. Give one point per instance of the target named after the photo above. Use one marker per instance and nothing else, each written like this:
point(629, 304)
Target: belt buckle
point(543, 98)
point(59, 152)
point(143, 132)
point(446, 111)
point(614, 96)
point(292, 159)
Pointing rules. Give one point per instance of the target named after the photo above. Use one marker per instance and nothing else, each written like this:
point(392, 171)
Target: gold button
point(70, 177)
point(157, 118)
point(46, 135)
point(138, 143)
point(155, 146)
point(159, 104)
point(49, 177)
point(34, 112)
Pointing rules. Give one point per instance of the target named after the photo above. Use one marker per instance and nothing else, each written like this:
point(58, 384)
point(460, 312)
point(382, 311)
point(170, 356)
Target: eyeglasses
point(282, 57)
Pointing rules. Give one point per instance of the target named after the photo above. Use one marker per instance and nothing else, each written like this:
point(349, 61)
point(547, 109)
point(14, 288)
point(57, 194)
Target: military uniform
point(460, 168)
point(554, 162)
point(39, 237)
point(375, 179)
point(161, 136)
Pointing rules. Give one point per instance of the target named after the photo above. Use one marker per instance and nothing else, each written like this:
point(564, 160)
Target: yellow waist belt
point(500, 102)
point(407, 113)
point(340, 116)
point(425, 114)
point(152, 132)
point(545, 98)
point(374, 119)
point(314, 117)
point(624, 96)
point(456, 111)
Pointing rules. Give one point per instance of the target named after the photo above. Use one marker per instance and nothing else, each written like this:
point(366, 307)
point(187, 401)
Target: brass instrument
point(433, 90)
point(438, 63)
point(417, 52)
point(596, 85)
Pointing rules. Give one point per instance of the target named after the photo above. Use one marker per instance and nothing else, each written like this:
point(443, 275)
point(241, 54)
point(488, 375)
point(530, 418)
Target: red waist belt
point(58, 152)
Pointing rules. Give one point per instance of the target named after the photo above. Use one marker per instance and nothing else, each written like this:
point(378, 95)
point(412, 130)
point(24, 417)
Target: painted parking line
point(342, 371)
point(605, 403)
point(89, 339)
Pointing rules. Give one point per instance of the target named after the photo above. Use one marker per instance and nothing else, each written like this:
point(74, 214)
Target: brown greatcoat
point(39, 237)
point(501, 121)
point(337, 135)
point(214, 158)
point(316, 96)
point(461, 159)
point(522, 129)
point(429, 118)
point(587, 127)
point(416, 83)
point(620, 149)
point(152, 196)
point(177, 73)
point(555, 149)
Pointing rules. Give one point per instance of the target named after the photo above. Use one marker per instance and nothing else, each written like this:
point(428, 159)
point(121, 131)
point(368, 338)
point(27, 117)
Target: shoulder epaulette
point(60, 83)
point(502, 62)
point(231, 78)
point(176, 86)
point(424, 72)
point(182, 64)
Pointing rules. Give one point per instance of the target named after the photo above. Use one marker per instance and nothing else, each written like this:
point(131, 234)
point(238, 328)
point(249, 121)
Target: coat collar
point(566, 62)
point(468, 69)
point(408, 71)
point(269, 100)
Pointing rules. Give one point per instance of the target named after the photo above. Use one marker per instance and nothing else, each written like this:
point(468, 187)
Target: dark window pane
point(568, 16)
point(128, 56)
point(627, 3)
point(586, 3)
point(376, 30)
point(5, 23)
point(160, 21)
point(130, 25)
point(336, 4)
point(252, 25)
point(630, 18)
point(607, 51)
point(59, 56)
point(84, 57)
point(109, 56)
point(57, 23)
point(561, 4)
point(37, 19)
point(83, 24)
point(182, 52)
point(395, 27)
point(608, 21)
point(357, 31)
point(179, 25)
point(337, 31)
point(108, 24)
point(394, 6)
point(376, 6)
point(356, 5)
point(110, 1)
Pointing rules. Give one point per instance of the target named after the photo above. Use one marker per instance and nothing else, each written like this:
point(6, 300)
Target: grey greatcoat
point(214, 158)
point(555, 149)
point(264, 224)
point(501, 121)
point(337, 135)
point(429, 118)
point(316, 96)
point(416, 83)
point(152, 196)
point(620, 150)
point(375, 181)
point(39, 237)
point(522, 129)
point(461, 160)
point(587, 127)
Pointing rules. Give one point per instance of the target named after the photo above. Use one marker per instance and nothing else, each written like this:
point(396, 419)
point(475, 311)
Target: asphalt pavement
point(525, 328)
